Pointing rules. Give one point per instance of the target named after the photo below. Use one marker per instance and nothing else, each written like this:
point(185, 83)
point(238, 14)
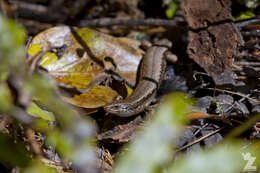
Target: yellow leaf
point(70, 65)
point(98, 96)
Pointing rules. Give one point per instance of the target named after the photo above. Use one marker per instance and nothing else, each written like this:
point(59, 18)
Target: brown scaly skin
point(151, 73)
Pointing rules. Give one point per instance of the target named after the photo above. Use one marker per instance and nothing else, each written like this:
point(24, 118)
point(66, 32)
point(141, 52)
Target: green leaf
point(63, 142)
point(5, 99)
point(12, 37)
point(36, 111)
point(171, 10)
point(13, 153)
point(245, 15)
point(38, 167)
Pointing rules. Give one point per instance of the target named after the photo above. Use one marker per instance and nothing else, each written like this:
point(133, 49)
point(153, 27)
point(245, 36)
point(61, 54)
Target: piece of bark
point(214, 50)
point(121, 133)
point(213, 38)
point(202, 13)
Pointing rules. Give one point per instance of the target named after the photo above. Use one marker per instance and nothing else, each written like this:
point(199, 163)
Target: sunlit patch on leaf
point(78, 73)
point(98, 96)
point(48, 59)
point(34, 49)
point(129, 90)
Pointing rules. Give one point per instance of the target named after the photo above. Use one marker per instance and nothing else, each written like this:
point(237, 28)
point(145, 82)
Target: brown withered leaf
point(68, 62)
point(199, 115)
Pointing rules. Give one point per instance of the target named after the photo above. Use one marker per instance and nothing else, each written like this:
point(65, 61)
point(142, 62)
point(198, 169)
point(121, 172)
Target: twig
point(104, 22)
point(243, 63)
point(255, 33)
point(231, 92)
point(36, 12)
point(247, 22)
point(7, 9)
point(200, 139)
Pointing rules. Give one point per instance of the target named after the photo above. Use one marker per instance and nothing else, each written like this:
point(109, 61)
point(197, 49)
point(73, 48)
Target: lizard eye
point(120, 107)
point(116, 107)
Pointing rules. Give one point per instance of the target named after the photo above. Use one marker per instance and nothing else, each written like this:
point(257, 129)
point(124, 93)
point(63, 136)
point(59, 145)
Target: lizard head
point(118, 109)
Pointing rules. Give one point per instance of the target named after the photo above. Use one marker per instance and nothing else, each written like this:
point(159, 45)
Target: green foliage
point(36, 111)
point(38, 167)
point(12, 49)
point(61, 141)
point(219, 159)
point(244, 16)
point(226, 157)
point(41, 89)
point(73, 134)
point(5, 99)
point(13, 153)
point(171, 10)
point(219, 109)
point(152, 149)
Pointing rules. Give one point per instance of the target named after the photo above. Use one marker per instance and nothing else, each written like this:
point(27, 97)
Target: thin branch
point(247, 22)
point(104, 22)
point(199, 140)
point(231, 92)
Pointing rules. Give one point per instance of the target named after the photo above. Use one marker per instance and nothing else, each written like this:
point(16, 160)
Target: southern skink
point(151, 72)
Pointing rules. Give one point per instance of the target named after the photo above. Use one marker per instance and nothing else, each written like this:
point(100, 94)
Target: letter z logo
point(250, 161)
